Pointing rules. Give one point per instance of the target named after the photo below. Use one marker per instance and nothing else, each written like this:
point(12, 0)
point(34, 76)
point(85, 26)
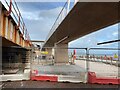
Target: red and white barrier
point(35, 76)
point(101, 80)
point(45, 78)
point(92, 78)
point(56, 78)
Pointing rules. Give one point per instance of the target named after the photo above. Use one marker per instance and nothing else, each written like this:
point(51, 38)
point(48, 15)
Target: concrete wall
point(61, 53)
point(49, 51)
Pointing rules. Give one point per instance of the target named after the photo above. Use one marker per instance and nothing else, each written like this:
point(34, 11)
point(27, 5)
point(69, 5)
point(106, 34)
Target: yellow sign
point(115, 56)
point(44, 52)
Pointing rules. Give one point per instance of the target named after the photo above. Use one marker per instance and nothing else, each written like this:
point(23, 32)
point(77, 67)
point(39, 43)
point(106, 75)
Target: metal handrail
point(104, 48)
point(20, 13)
point(52, 30)
point(21, 22)
point(16, 16)
point(56, 23)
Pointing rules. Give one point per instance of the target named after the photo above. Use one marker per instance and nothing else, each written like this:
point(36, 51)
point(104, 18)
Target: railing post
point(87, 63)
point(26, 34)
point(87, 59)
point(10, 9)
point(68, 6)
point(23, 28)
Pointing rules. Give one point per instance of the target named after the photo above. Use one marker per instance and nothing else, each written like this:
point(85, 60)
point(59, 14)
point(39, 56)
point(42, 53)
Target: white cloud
point(91, 40)
point(30, 15)
point(87, 41)
point(52, 13)
point(40, 22)
point(42, 14)
point(115, 33)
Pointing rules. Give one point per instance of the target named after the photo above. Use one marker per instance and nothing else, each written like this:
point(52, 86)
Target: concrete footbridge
point(85, 17)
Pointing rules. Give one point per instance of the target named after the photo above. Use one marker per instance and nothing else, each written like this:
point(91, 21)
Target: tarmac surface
point(41, 84)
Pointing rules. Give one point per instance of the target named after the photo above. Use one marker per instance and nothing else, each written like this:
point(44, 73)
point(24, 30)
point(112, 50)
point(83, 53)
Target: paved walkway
point(64, 72)
point(59, 69)
point(100, 68)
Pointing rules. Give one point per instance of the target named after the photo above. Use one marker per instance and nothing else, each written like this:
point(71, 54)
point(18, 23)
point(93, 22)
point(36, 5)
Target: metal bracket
point(23, 28)
point(10, 9)
point(17, 27)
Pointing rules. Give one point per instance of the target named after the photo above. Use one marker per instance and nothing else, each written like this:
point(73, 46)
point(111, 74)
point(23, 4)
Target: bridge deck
point(85, 18)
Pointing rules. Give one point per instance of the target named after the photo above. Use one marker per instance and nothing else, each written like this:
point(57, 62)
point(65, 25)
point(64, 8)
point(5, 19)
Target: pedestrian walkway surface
point(64, 73)
point(101, 69)
point(59, 69)
point(77, 72)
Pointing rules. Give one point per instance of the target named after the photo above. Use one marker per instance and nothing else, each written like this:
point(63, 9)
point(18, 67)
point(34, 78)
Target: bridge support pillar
point(61, 53)
point(49, 51)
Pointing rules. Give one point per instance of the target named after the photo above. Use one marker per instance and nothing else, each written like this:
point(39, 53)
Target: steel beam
point(37, 41)
point(108, 42)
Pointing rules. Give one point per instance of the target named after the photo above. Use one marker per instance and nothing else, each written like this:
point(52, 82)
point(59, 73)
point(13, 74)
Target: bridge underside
point(14, 57)
point(85, 18)
point(7, 43)
point(15, 50)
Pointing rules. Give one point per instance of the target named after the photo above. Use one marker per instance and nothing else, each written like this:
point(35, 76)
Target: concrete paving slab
point(59, 69)
point(101, 69)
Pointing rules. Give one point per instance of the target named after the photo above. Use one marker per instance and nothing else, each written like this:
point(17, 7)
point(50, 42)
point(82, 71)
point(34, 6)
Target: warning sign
point(44, 52)
point(115, 56)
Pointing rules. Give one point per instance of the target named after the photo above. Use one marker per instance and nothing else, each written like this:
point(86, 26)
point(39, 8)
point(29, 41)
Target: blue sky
point(91, 40)
point(40, 16)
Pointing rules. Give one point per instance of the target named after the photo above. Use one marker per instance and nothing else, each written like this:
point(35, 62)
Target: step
point(16, 77)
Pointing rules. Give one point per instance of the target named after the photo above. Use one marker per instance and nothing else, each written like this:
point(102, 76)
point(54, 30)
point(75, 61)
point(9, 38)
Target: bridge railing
point(13, 10)
point(105, 55)
point(102, 55)
point(63, 13)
